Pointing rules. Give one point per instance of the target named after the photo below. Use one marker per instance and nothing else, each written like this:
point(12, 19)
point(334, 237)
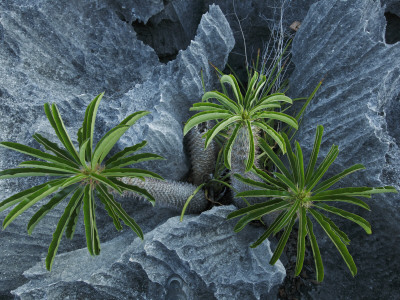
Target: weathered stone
point(343, 42)
point(67, 53)
point(199, 258)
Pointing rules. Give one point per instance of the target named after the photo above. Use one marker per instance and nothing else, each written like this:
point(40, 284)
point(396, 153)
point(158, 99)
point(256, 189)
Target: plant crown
point(253, 110)
point(80, 174)
point(297, 193)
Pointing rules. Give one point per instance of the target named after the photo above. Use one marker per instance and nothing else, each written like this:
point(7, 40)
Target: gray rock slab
point(358, 105)
point(199, 258)
point(68, 52)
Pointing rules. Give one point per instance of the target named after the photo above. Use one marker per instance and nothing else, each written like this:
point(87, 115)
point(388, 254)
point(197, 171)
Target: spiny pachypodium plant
point(297, 193)
point(251, 112)
point(82, 174)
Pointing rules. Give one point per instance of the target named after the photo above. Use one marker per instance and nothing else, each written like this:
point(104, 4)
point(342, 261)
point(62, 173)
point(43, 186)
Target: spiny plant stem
point(169, 193)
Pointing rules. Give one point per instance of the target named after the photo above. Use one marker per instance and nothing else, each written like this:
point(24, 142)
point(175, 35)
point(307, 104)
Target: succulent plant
point(297, 193)
point(249, 111)
point(81, 175)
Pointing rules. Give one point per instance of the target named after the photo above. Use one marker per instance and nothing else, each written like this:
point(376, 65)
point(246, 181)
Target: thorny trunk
point(203, 160)
point(169, 193)
point(174, 193)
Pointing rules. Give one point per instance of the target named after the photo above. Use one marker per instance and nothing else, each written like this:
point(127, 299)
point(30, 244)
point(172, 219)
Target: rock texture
point(199, 258)
point(358, 105)
point(67, 53)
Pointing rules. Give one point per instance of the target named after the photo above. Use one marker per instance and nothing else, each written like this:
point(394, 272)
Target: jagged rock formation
point(199, 258)
point(357, 104)
point(67, 53)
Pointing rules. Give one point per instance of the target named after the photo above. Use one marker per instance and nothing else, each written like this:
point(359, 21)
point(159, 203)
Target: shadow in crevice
point(392, 34)
point(172, 29)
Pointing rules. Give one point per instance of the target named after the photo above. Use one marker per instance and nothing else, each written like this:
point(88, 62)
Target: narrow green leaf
point(54, 201)
point(250, 90)
point(134, 159)
point(358, 191)
point(14, 199)
point(282, 241)
point(223, 99)
point(189, 199)
point(273, 134)
point(336, 240)
point(220, 126)
point(106, 181)
point(345, 214)
point(228, 147)
point(323, 167)
point(253, 182)
point(108, 208)
point(277, 97)
point(204, 106)
point(122, 214)
point(82, 153)
point(205, 116)
point(131, 119)
point(53, 147)
point(73, 180)
point(256, 214)
point(340, 198)
point(286, 181)
point(61, 226)
point(319, 267)
point(331, 181)
point(264, 107)
point(39, 194)
point(73, 220)
point(29, 172)
point(37, 153)
point(314, 153)
point(343, 236)
point(235, 87)
point(106, 143)
point(269, 231)
point(135, 189)
point(127, 151)
point(264, 176)
point(275, 159)
point(300, 166)
point(255, 207)
point(291, 157)
point(65, 139)
point(250, 157)
point(96, 239)
point(287, 217)
point(88, 219)
point(49, 166)
point(90, 120)
point(53, 124)
point(301, 241)
point(264, 193)
point(129, 172)
point(278, 116)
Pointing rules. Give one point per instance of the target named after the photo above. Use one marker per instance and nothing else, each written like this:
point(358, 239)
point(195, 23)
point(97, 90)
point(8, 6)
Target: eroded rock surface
point(67, 53)
point(343, 42)
point(199, 258)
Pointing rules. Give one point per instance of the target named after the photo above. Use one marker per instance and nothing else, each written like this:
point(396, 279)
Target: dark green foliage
point(297, 192)
point(81, 173)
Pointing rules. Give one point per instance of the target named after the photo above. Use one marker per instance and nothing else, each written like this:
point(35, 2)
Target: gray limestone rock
point(199, 258)
point(358, 105)
point(68, 52)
